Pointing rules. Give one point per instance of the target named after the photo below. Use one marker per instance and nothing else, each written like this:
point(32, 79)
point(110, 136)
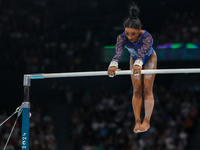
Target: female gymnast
point(139, 44)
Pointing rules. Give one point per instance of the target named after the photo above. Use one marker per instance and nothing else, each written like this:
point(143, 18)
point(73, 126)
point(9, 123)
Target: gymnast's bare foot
point(137, 127)
point(145, 125)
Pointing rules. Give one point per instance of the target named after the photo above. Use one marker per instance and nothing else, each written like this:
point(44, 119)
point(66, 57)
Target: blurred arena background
point(95, 113)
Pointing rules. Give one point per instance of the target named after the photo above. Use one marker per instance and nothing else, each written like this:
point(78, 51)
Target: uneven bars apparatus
point(27, 83)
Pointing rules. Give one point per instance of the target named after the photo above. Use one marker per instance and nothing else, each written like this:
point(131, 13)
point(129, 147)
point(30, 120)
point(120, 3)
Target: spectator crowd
point(37, 36)
point(42, 36)
point(55, 36)
point(179, 28)
point(41, 135)
point(105, 121)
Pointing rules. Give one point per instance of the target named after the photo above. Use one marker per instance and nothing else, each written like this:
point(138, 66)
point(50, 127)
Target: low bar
point(104, 73)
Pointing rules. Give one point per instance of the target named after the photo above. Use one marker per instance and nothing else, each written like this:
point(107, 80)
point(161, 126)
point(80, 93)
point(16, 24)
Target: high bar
point(104, 73)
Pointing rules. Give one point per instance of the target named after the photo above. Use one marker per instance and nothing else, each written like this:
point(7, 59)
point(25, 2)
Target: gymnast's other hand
point(111, 71)
point(136, 70)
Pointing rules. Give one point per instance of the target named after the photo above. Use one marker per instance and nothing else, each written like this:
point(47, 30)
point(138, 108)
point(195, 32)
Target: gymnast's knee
point(148, 90)
point(137, 91)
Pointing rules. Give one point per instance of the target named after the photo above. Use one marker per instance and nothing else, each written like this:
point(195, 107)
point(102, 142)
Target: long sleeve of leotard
point(119, 48)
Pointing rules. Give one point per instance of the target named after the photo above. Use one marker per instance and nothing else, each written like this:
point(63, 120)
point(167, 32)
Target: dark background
point(69, 21)
point(153, 15)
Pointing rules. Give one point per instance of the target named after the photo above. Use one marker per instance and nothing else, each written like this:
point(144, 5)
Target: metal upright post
point(26, 114)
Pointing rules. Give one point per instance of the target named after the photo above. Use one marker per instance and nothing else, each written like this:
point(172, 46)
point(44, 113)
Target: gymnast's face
point(132, 34)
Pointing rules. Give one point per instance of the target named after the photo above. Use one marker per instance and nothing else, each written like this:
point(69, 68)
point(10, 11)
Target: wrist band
point(113, 64)
point(138, 62)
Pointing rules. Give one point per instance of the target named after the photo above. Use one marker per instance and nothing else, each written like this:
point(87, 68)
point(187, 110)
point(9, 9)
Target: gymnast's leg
point(148, 91)
point(137, 97)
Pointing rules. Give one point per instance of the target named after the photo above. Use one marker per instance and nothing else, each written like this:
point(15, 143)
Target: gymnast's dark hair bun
point(134, 11)
point(133, 21)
